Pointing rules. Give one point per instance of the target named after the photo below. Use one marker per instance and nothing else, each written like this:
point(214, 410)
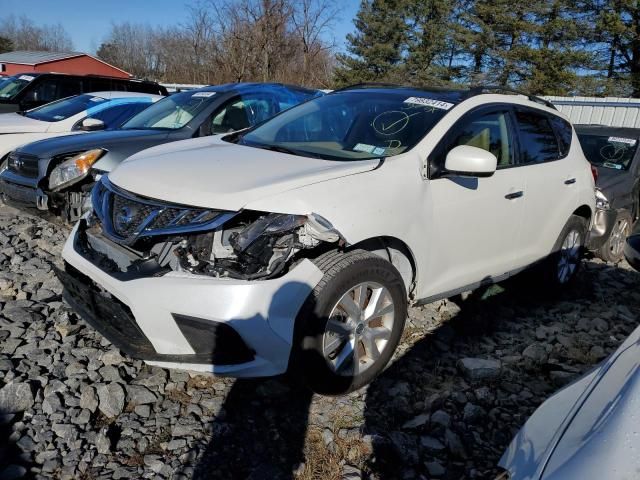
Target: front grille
point(126, 217)
point(26, 165)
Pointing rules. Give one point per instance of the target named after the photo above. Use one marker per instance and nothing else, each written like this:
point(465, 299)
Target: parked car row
point(258, 229)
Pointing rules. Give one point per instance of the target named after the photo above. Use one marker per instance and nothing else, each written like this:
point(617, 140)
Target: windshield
point(171, 113)
point(65, 108)
point(352, 125)
point(11, 86)
point(609, 151)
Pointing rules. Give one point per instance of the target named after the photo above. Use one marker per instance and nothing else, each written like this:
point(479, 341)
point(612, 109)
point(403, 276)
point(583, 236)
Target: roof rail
point(477, 90)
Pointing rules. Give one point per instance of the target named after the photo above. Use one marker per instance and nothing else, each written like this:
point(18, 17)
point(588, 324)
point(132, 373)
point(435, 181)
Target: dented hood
point(15, 123)
point(211, 173)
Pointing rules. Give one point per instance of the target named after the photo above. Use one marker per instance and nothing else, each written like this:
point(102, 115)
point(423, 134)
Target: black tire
point(551, 267)
point(342, 273)
point(611, 251)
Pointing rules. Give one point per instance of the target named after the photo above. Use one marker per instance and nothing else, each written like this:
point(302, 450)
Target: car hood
point(15, 123)
point(595, 429)
point(75, 143)
point(211, 173)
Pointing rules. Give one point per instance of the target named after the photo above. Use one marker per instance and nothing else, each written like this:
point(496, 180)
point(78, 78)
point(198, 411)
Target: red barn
point(71, 62)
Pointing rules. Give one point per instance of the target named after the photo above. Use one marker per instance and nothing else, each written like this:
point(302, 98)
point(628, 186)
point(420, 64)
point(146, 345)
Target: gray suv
point(56, 175)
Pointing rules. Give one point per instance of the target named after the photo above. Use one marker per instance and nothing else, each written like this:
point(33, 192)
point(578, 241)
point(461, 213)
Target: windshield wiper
point(278, 148)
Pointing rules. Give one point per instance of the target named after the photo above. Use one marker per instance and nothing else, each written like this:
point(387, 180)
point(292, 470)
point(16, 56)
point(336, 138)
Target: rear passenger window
point(538, 142)
point(564, 132)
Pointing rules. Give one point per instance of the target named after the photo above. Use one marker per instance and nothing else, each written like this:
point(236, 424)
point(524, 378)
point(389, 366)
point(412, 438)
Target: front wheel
point(613, 249)
point(351, 324)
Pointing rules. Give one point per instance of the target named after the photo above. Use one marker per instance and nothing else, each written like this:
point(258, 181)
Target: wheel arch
point(395, 251)
point(584, 211)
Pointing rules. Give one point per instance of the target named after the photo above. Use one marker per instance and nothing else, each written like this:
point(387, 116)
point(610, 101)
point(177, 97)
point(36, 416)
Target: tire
point(553, 272)
point(325, 334)
point(613, 249)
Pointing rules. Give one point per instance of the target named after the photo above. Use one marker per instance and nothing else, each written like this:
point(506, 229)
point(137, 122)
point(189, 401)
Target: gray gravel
point(466, 377)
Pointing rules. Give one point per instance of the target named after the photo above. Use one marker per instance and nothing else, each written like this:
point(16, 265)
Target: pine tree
point(6, 45)
point(377, 49)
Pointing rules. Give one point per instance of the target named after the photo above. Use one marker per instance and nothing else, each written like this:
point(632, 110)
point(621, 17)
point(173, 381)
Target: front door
point(477, 221)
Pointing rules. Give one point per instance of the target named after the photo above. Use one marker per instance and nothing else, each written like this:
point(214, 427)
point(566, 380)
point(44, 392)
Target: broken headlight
point(256, 245)
point(602, 202)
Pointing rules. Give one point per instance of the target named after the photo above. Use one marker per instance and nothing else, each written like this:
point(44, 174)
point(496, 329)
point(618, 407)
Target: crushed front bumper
point(165, 320)
point(603, 222)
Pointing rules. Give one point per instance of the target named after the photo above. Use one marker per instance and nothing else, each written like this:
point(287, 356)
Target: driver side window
point(489, 131)
point(242, 112)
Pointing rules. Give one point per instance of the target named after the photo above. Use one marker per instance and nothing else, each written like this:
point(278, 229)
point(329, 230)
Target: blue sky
point(88, 21)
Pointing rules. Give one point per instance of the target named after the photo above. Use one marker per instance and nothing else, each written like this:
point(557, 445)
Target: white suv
point(298, 244)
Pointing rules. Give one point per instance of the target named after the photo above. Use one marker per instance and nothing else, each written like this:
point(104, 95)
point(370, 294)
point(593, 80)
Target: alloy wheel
point(618, 237)
point(569, 256)
point(358, 329)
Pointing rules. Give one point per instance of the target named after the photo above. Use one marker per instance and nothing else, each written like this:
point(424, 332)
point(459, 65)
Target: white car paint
point(17, 130)
point(460, 231)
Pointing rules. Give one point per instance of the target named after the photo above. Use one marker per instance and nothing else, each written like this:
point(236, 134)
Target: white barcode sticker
point(27, 78)
point(628, 141)
point(429, 102)
point(203, 94)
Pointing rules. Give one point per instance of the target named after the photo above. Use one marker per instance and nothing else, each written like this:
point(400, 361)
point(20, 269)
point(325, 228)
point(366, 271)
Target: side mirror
point(467, 161)
point(91, 125)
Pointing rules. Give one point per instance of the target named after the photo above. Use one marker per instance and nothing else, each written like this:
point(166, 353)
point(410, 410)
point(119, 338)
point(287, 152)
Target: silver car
point(591, 428)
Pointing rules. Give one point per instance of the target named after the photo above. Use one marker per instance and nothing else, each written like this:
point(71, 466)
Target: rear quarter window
point(538, 142)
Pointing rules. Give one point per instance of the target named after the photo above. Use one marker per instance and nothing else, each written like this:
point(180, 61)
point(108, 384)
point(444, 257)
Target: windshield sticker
point(363, 147)
point(26, 78)
point(96, 99)
point(203, 94)
point(628, 141)
point(58, 117)
point(429, 102)
point(617, 166)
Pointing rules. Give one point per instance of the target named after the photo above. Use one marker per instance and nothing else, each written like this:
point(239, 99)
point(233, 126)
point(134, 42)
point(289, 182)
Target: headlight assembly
point(74, 169)
point(602, 201)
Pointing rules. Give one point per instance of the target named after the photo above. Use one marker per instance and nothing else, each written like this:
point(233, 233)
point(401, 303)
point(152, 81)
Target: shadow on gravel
point(260, 430)
point(475, 420)
point(259, 434)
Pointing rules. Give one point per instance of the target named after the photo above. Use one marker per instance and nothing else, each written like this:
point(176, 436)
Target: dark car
point(29, 90)
point(57, 174)
point(613, 152)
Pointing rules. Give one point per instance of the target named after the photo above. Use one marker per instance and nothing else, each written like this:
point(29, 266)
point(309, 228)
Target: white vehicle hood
point(212, 173)
point(14, 123)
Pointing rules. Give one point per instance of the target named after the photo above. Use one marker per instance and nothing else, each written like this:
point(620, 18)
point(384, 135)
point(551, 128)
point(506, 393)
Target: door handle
point(514, 195)
point(570, 181)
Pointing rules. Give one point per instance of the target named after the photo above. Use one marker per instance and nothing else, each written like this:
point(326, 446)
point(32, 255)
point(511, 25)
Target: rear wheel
point(613, 249)
point(351, 324)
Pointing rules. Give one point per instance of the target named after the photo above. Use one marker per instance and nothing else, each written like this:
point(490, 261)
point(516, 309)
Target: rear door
point(551, 192)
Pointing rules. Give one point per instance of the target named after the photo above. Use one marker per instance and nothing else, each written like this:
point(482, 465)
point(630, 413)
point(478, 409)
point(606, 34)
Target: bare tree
point(26, 35)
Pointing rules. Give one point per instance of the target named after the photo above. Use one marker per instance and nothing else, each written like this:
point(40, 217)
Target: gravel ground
point(466, 377)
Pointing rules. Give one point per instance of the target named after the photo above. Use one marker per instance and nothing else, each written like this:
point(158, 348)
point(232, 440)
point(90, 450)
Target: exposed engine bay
point(250, 246)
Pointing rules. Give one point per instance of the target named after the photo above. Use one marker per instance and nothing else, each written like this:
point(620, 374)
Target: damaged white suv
point(298, 244)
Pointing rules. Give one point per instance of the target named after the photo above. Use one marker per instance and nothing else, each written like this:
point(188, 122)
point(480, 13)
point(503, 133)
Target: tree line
point(563, 47)
point(560, 47)
point(231, 41)
point(21, 33)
